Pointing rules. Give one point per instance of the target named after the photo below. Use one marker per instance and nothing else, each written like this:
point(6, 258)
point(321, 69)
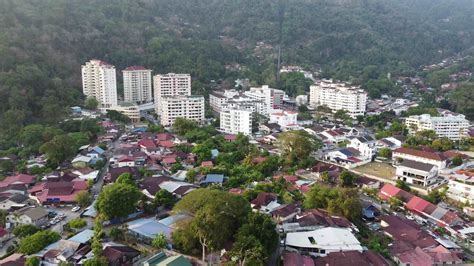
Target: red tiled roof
point(295, 259)
point(230, 137)
point(147, 143)
point(166, 143)
point(18, 179)
point(126, 158)
point(207, 164)
point(264, 198)
point(423, 154)
point(388, 191)
point(417, 204)
point(164, 136)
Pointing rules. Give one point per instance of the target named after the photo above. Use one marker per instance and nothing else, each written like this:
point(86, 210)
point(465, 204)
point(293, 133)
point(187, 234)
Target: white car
point(76, 209)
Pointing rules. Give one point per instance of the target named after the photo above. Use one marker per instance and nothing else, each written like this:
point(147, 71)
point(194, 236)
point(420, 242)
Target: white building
point(236, 121)
point(461, 187)
point(137, 84)
point(365, 145)
point(286, 119)
point(272, 98)
point(170, 85)
point(434, 158)
point(219, 98)
point(321, 242)
point(451, 127)
point(37, 216)
point(131, 110)
point(416, 173)
point(338, 96)
point(189, 107)
point(99, 81)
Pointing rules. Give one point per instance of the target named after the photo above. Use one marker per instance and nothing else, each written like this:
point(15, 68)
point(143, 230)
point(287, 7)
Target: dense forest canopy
point(43, 43)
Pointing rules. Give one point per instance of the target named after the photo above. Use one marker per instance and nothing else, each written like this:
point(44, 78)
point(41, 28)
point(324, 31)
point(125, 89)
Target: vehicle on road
point(76, 209)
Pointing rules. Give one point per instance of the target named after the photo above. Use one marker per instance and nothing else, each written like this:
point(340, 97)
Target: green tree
point(116, 234)
point(91, 103)
point(59, 149)
point(118, 200)
point(163, 198)
point(96, 261)
point(347, 178)
point(457, 160)
point(25, 230)
point(77, 223)
point(442, 144)
point(126, 178)
point(182, 125)
point(296, 145)
point(385, 152)
point(83, 199)
point(159, 242)
point(32, 261)
point(403, 185)
point(217, 215)
point(190, 175)
point(37, 241)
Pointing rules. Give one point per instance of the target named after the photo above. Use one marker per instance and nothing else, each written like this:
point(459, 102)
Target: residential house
point(334, 136)
point(14, 201)
point(461, 186)
point(213, 179)
point(296, 259)
point(315, 219)
point(145, 229)
point(366, 258)
point(118, 255)
point(321, 242)
point(81, 161)
point(15, 259)
point(434, 158)
point(265, 202)
point(114, 173)
point(417, 173)
point(58, 192)
point(20, 179)
point(285, 212)
point(126, 161)
point(36, 216)
point(390, 142)
point(269, 128)
point(365, 145)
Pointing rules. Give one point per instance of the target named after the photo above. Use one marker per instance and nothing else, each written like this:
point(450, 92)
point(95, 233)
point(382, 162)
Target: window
point(311, 240)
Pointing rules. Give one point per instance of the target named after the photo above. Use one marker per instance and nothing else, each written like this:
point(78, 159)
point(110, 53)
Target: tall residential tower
point(99, 81)
point(137, 84)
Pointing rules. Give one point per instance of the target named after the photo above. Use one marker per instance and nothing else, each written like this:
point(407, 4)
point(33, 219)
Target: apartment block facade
point(338, 96)
point(451, 127)
point(271, 98)
point(236, 121)
point(137, 85)
point(99, 81)
point(189, 107)
point(170, 85)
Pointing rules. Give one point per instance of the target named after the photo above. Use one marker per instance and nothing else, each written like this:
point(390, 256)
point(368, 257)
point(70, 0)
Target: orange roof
point(424, 154)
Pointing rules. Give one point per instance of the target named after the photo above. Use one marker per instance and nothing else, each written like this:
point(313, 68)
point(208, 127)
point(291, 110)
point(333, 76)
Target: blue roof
point(98, 150)
point(214, 178)
point(149, 227)
point(214, 153)
point(82, 237)
point(139, 129)
point(345, 152)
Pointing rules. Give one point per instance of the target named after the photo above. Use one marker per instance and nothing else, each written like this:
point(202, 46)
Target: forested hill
point(43, 43)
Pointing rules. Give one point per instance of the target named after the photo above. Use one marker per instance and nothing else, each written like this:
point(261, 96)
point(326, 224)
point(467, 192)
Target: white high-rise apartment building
point(451, 127)
point(338, 96)
point(272, 98)
point(137, 84)
point(189, 107)
point(99, 81)
point(169, 85)
point(236, 121)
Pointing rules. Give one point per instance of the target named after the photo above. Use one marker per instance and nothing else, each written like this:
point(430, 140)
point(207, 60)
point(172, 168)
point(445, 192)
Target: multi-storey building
point(461, 186)
point(170, 85)
point(271, 98)
point(219, 98)
point(99, 81)
point(434, 158)
point(189, 107)
point(338, 96)
point(286, 119)
point(137, 84)
point(236, 121)
point(451, 127)
point(129, 109)
point(416, 173)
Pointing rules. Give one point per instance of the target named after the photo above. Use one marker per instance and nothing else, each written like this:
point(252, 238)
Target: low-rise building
point(365, 145)
point(451, 127)
point(130, 110)
point(285, 119)
point(434, 158)
point(461, 186)
point(37, 216)
point(416, 173)
point(321, 242)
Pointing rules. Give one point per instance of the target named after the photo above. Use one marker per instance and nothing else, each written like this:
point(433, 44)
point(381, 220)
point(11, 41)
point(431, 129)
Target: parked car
point(76, 209)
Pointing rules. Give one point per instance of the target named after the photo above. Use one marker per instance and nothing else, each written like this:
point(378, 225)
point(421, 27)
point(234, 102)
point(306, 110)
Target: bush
point(36, 242)
point(25, 230)
point(77, 223)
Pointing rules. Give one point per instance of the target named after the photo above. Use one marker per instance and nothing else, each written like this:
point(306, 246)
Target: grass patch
point(382, 170)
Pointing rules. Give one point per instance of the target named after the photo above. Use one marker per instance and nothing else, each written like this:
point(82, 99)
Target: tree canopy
point(118, 200)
